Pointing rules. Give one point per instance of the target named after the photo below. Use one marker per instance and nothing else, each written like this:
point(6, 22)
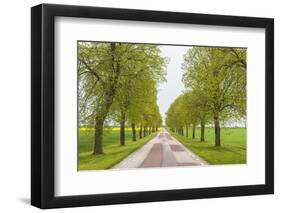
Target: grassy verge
point(232, 150)
point(113, 152)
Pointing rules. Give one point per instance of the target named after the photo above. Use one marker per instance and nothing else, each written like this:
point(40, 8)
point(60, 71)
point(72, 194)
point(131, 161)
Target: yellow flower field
point(111, 129)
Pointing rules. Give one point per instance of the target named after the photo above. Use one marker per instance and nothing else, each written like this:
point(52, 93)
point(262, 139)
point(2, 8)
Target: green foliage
point(137, 88)
point(217, 76)
point(177, 116)
point(215, 82)
point(118, 83)
point(141, 69)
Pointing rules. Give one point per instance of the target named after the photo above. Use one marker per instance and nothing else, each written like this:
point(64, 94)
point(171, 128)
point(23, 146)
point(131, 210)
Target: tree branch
point(90, 70)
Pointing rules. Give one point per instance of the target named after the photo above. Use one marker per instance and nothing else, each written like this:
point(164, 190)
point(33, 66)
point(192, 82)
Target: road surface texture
point(161, 151)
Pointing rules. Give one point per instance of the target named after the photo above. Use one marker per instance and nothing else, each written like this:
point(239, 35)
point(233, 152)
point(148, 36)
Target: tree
point(99, 70)
point(217, 76)
point(188, 109)
point(198, 110)
point(175, 116)
point(110, 75)
point(141, 75)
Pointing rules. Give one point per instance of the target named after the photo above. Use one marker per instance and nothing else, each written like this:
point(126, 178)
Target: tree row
point(215, 91)
point(118, 86)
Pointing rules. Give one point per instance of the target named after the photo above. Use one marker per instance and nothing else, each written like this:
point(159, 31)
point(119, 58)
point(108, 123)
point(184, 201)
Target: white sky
point(168, 91)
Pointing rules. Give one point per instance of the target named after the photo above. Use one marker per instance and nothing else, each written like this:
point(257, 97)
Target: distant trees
point(176, 117)
point(119, 81)
point(215, 82)
point(186, 111)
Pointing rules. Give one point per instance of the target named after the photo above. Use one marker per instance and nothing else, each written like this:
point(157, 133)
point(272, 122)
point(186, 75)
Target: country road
point(161, 151)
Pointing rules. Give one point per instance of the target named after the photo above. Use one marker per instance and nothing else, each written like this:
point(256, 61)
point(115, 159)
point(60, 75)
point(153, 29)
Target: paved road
point(161, 151)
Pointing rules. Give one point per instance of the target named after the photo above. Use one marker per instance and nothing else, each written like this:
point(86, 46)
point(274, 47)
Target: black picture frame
point(43, 102)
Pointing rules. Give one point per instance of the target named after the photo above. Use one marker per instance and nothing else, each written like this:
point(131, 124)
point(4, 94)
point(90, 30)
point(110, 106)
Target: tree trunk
point(193, 131)
point(149, 130)
point(157, 129)
point(98, 148)
point(186, 131)
point(108, 97)
point(134, 133)
point(99, 119)
point(202, 138)
point(122, 129)
point(140, 131)
point(144, 131)
point(217, 131)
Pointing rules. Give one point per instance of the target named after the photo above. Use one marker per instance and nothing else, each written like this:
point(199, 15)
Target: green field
point(232, 150)
point(113, 152)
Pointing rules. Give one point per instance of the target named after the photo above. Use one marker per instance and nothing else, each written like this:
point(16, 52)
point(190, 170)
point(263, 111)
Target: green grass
point(113, 152)
point(232, 150)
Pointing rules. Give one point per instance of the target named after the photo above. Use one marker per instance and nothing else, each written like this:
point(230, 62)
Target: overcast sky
point(168, 91)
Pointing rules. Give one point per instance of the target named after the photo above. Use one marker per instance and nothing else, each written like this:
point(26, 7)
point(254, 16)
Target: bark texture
point(134, 132)
point(217, 131)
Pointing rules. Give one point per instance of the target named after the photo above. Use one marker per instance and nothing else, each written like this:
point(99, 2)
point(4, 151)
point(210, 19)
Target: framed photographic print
point(140, 106)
